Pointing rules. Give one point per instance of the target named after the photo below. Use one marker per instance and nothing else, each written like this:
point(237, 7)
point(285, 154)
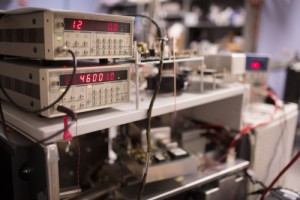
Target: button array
point(109, 46)
point(98, 96)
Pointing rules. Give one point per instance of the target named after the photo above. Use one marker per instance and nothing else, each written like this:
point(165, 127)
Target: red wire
point(247, 128)
point(294, 159)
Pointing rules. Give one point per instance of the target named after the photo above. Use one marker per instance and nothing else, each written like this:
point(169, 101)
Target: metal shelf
point(170, 187)
point(38, 128)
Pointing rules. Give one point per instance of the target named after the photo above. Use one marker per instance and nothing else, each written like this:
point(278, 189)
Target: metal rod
point(137, 92)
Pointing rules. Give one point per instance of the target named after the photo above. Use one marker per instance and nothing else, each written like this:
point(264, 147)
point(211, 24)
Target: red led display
point(97, 77)
point(255, 65)
point(77, 24)
point(95, 25)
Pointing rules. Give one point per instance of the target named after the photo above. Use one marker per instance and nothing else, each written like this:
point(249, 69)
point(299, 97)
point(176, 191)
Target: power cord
point(269, 188)
point(149, 114)
point(149, 111)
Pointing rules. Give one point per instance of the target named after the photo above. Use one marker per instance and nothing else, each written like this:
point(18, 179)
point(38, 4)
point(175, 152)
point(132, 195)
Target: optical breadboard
point(44, 33)
point(33, 86)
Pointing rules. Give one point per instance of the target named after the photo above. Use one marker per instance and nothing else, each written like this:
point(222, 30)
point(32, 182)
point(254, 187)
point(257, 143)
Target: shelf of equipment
point(38, 128)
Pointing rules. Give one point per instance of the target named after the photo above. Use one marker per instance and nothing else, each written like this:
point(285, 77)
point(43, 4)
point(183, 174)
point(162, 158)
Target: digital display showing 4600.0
point(96, 25)
point(94, 77)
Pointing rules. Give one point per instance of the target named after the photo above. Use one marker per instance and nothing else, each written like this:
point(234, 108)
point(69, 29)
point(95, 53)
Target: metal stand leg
point(137, 92)
point(52, 158)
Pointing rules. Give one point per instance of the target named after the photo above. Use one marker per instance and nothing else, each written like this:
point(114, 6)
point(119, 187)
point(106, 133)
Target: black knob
point(26, 171)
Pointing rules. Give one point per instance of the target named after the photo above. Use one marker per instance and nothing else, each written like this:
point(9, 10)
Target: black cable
point(149, 114)
point(53, 103)
point(254, 180)
point(68, 112)
point(291, 162)
point(149, 111)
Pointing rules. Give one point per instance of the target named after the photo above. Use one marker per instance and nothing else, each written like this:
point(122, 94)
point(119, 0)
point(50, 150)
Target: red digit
point(74, 24)
point(88, 78)
point(109, 27)
point(116, 27)
point(82, 78)
point(100, 77)
point(94, 78)
point(112, 76)
point(79, 25)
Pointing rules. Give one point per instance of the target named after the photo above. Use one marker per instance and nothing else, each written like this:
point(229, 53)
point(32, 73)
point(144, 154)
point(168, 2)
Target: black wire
point(67, 111)
point(254, 180)
point(70, 114)
point(149, 113)
point(53, 103)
